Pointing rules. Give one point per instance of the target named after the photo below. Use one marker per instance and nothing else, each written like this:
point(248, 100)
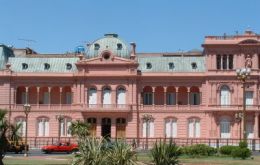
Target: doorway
point(106, 128)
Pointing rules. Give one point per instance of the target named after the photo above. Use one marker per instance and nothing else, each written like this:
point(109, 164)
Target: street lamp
point(60, 118)
point(147, 118)
point(243, 74)
point(27, 109)
point(238, 117)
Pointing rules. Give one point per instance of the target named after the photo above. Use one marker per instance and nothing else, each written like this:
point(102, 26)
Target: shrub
point(198, 150)
point(165, 154)
point(243, 144)
point(242, 153)
point(226, 150)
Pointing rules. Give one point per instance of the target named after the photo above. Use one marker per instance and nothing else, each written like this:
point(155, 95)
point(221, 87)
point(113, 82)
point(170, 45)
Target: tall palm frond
point(15, 135)
point(80, 129)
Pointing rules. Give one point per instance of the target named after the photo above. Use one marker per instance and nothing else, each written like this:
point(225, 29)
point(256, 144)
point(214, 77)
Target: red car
point(60, 147)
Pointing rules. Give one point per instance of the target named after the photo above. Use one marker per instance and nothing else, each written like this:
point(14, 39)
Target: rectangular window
point(230, 61)
point(46, 98)
point(23, 101)
point(249, 97)
point(171, 98)
point(194, 98)
point(148, 98)
point(224, 62)
point(218, 61)
point(68, 98)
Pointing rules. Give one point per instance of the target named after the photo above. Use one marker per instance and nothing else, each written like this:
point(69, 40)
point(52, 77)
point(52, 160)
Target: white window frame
point(121, 96)
point(22, 129)
point(64, 127)
point(171, 128)
point(249, 98)
point(225, 127)
point(43, 127)
point(225, 96)
point(150, 128)
point(194, 130)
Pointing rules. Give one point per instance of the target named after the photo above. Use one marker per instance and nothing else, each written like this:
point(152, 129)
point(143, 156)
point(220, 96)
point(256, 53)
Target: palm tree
point(15, 135)
point(80, 129)
point(3, 139)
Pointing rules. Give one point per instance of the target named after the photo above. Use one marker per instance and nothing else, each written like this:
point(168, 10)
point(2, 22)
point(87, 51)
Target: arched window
point(148, 128)
point(225, 127)
point(224, 95)
point(18, 121)
point(194, 128)
point(106, 96)
point(92, 98)
point(65, 127)
point(121, 96)
point(43, 126)
point(170, 127)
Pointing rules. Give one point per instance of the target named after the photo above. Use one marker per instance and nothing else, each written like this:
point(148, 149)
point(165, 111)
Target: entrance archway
point(106, 127)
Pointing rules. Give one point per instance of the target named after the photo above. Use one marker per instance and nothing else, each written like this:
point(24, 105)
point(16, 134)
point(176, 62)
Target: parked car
point(17, 146)
point(61, 147)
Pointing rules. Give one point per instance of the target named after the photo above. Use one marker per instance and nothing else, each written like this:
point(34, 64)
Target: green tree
point(4, 125)
point(15, 135)
point(80, 129)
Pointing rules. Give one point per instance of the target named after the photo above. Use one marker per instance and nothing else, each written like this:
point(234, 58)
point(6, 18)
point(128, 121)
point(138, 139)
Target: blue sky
point(58, 26)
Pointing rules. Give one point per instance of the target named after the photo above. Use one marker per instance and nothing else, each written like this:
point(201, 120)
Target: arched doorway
point(106, 127)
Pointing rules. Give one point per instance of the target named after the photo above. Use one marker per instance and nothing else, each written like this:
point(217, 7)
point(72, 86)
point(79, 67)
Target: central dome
point(110, 42)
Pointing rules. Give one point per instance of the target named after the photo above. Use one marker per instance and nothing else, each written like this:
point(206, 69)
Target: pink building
point(192, 95)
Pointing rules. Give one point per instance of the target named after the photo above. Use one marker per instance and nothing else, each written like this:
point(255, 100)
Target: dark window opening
point(171, 65)
point(218, 61)
point(119, 46)
point(24, 66)
point(106, 56)
point(46, 66)
point(96, 46)
point(230, 61)
point(68, 66)
point(224, 63)
point(194, 65)
point(92, 120)
point(148, 65)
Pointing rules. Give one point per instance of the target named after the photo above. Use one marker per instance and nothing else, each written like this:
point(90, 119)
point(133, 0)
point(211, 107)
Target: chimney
point(133, 46)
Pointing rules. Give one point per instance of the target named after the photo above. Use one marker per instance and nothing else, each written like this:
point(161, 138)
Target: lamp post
point(147, 118)
point(243, 74)
point(60, 118)
point(238, 117)
point(27, 109)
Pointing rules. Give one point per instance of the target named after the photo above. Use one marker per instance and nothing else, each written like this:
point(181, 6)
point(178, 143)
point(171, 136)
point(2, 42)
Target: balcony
point(71, 107)
point(232, 107)
point(171, 107)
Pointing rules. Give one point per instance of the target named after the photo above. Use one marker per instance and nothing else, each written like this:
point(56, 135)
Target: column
point(113, 129)
point(15, 90)
point(227, 62)
point(165, 95)
point(188, 93)
point(38, 96)
point(256, 125)
point(49, 96)
point(176, 97)
point(153, 99)
point(60, 96)
point(98, 129)
point(86, 96)
point(26, 95)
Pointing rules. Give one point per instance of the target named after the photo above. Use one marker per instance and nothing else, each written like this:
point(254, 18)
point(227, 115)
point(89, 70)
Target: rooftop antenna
point(28, 41)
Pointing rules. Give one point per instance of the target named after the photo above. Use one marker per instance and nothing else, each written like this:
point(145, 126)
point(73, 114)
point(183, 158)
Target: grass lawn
point(50, 160)
point(141, 157)
point(212, 160)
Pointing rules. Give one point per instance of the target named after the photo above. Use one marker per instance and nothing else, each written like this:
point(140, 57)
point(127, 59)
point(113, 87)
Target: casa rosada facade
point(126, 94)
